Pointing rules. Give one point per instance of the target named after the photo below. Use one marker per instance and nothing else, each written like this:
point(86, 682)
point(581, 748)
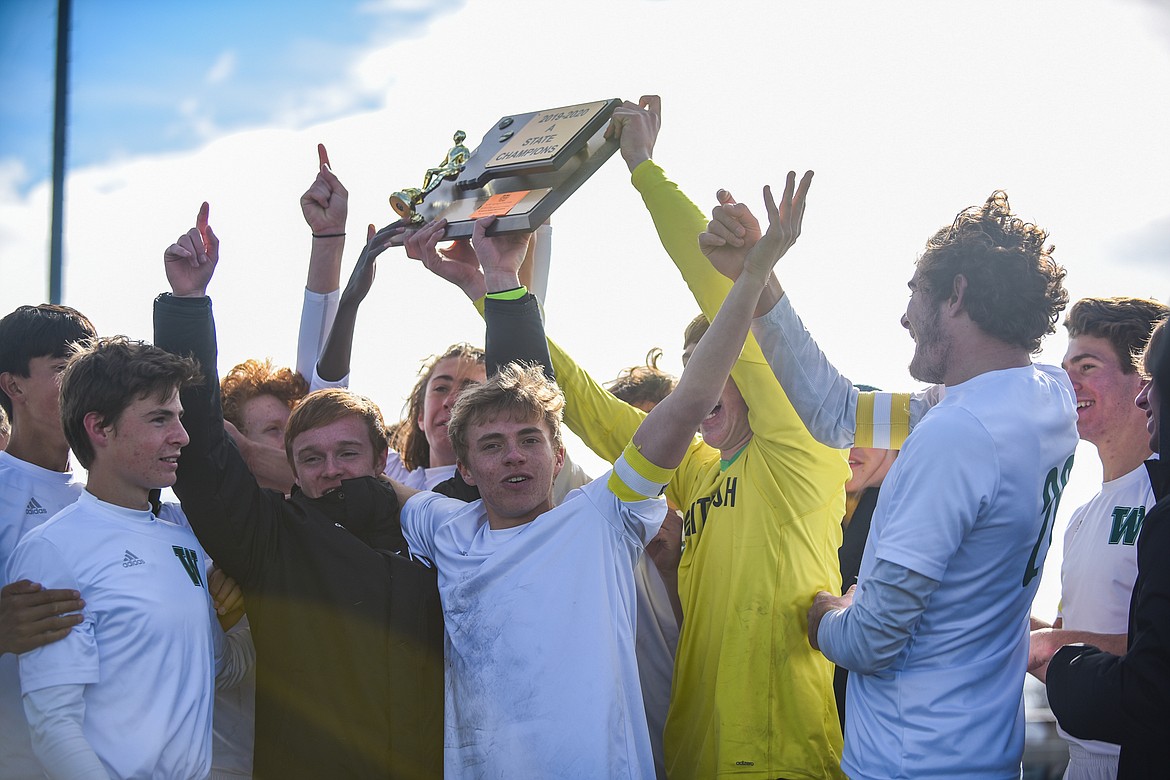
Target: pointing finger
point(201, 221)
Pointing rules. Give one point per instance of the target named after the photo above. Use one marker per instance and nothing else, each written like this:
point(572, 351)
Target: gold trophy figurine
point(404, 202)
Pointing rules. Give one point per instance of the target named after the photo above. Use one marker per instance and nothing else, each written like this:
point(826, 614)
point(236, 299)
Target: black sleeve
point(235, 519)
point(1084, 695)
point(456, 487)
point(515, 334)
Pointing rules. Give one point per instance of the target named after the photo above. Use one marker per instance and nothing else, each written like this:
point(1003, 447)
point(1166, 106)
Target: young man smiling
point(347, 628)
point(1100, 561)
point(142, 661)
point(935, 634)
point(539, 601)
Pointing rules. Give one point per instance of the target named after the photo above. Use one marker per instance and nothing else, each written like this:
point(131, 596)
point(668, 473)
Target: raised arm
point(679, 223)
point(334, 363)
point(234, 519)
point(830, 407)
point(666, 433)
point(458, 263)
point(325, 206)
point(515, 333)
point(487, 269)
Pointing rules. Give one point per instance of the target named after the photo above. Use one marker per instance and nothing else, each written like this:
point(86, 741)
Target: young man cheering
point(539, 600)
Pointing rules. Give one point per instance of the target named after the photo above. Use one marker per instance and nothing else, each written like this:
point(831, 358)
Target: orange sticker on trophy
point(499, 205)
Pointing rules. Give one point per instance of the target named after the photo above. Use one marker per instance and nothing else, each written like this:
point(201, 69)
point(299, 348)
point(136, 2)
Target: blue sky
point(162, 76)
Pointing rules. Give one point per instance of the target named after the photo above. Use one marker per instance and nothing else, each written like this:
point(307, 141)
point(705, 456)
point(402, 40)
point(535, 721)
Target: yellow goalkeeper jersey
point(750, 697)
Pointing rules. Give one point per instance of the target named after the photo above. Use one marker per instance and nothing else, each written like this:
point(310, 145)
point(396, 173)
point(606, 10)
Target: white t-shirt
point(970, 504)
point(541, 677)
point(419, 479)
point(29, 495)
point(146, 649)
point(1100, 565)
point(233, 732)
point(656, 642)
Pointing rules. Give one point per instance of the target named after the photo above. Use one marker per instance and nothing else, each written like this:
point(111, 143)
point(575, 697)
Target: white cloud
point(223, 69)
point(197, 118)
point(904, 122)
point(13, 176)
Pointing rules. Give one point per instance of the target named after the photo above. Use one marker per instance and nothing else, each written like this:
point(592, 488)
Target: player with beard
point(935, 633)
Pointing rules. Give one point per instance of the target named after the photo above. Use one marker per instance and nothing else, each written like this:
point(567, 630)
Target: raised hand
point(784, 220)
point(190, 261)
point(458, 263)
point(362, 277)
point(499, 256)
point(636, 126)
point(326, 203)
point(730, 235)
point(333, 364)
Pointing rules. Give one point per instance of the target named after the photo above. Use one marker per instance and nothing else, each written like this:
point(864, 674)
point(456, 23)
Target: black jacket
point(348, 629)
point(1126, 699)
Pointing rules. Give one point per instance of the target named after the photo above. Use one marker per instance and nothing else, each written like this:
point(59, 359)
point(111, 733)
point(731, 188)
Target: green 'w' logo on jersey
point(190, 560)
point(1127, 523)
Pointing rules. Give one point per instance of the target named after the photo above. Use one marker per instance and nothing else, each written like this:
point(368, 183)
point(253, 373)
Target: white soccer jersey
point(1100, 565)
point(541, 675)
point(419, 479)
point(969, 503)
point(29, 495)
point(656, 642)
point(146, 649)
point(233, 733)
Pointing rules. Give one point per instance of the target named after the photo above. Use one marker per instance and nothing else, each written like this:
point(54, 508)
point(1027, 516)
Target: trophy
point(525, 167)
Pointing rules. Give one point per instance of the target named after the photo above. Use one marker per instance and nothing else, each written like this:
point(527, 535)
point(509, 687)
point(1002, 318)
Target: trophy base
point(520, 177)
point(403, 204)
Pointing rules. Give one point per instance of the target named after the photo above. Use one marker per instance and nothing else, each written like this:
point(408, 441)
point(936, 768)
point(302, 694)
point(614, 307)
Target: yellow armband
point(634, 478)
point(883, 420)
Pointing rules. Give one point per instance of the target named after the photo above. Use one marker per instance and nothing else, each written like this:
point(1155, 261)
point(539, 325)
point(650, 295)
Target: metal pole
point(60, 110)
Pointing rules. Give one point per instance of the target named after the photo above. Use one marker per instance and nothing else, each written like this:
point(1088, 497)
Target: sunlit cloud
point(223, 69)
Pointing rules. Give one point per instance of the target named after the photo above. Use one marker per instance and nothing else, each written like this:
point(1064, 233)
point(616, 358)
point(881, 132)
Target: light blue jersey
point(970, 503)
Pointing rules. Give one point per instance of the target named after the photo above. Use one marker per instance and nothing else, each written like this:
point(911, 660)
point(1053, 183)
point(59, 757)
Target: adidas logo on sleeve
point(130, 559)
